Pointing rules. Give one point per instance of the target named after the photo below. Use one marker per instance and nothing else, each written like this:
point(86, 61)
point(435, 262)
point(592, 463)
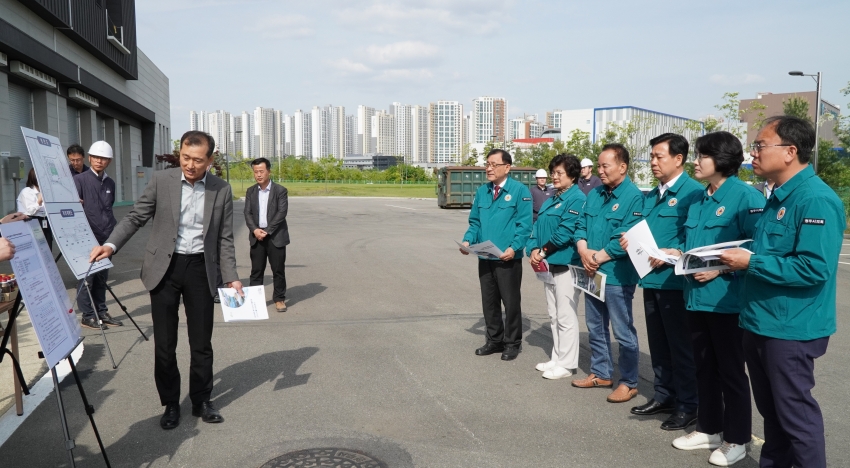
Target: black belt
point(194, 255)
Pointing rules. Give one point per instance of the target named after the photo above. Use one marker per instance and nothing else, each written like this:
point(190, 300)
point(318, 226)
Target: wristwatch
point(542, 253)
point(594, 257)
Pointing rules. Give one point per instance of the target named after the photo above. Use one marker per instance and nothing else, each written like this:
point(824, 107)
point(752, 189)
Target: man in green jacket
point(611, 209)
point(501, 213)
point(667, 328)
point(788, 294)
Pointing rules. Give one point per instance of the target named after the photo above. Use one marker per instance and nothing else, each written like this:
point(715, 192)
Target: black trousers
point(187, 277)
point(782, 373)
point(724, 390)
point(97, 285)
point(500, 284)
point(265, 249)
point(670, 350)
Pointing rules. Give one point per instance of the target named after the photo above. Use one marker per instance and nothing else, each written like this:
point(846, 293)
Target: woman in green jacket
point(552, 238)
point(728, 211)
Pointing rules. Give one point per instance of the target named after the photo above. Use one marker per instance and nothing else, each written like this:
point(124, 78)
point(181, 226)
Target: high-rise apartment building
point(383, 132)
point(236, 136)
point(279, 134)
point(403, 133)
point(264, 144)
point(418, 134)
point(446, 132)
point(195, 123)
point(218, 125)
point(321, 126)
point(303, 135)
point(365, 144)
point(337, 131)
point(467, 129)
point(289, 135)
point(553, 119)
point(490, 119)
point(247, 135)
point(350, 135)
point(525, 127)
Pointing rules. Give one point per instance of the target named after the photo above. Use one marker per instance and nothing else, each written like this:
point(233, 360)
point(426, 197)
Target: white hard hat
point(541, 173)
point(586, 163)
point(101, 149)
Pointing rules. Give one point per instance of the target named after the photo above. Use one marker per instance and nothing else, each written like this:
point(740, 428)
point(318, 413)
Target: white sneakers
point(698, 440)
point(557, 372)
point(544, 366)
point(728, 454)
point(724, 454)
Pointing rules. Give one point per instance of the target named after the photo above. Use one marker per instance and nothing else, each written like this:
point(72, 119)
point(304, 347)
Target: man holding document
point(789, 289)
point(668, 334)
point(192, 237)
point(501, 213)
point(611, 209)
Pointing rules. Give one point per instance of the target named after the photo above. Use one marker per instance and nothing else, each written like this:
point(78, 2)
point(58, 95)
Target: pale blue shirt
point(190, 228)
point(264, 205)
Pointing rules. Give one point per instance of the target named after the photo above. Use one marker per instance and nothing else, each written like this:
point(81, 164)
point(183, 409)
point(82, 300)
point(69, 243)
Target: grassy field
point(315, 189)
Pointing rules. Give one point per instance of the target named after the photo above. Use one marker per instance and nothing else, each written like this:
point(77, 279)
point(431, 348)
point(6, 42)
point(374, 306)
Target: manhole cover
point(325, 457)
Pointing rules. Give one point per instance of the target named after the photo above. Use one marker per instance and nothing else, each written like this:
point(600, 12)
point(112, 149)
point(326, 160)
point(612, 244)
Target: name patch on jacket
point(815, 221)
point(526, 199)
point(756, 210)
point(637, 213)
point(573, 212)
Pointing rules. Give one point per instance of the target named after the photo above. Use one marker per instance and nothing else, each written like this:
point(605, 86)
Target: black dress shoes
point(490, 348)
point(652, 407)
point(679, 420)
point(207, 412)
point(171, 418)
point(510, 353)
point(107, 319)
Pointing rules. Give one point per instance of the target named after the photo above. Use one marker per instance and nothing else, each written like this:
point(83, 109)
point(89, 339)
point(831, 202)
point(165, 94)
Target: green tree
point(797, 106)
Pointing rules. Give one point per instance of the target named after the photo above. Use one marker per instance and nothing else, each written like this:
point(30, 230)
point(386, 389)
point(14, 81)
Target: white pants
point(562, 304)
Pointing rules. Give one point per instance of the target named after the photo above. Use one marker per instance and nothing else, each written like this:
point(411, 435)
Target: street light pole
point(817, 77)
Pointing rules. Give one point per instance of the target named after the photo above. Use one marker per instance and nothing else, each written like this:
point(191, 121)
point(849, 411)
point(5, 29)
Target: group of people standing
point(769, 314)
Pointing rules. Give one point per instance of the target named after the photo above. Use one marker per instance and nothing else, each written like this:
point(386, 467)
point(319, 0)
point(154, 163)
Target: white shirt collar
point(105, 175)
point(268, 187)
point(203, 180)
point(663, 187)
point(502, 185)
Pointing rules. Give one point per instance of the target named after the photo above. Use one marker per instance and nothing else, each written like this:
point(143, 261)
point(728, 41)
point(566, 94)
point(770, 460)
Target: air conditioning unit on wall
point(31, 74)
point(83, 98)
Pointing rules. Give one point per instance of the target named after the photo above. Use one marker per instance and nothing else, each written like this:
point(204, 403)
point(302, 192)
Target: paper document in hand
point(485, 249)
point(640, 239)
point(655, 252)
point(543, 273)
point(236, 308)
point(706, 258)
point(595, 285)
point(48, 305)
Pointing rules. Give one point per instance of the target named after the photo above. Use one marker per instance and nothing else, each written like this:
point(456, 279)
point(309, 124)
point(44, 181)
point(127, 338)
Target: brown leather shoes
point(280, 306)
point(622, 394)
point(592, 381)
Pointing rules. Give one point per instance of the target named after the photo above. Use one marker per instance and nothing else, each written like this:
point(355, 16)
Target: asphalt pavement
point(374, 355)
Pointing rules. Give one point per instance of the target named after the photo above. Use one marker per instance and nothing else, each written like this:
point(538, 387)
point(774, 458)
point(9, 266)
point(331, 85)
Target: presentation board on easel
point(49, 307)
point(71, 229)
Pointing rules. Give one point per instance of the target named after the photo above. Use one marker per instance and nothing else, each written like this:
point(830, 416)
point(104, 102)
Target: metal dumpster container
point(456, 185)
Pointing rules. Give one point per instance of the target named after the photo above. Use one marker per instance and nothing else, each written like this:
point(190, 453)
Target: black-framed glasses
point(757, 147)
point(495, 165)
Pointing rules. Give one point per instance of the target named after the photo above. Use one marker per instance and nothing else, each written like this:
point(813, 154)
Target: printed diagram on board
point(54, 175)
point(74, 237)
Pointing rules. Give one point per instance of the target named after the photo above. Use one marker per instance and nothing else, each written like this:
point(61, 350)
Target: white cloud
point(746, 78)
point(284, 26)
point(406, 75)
point(403, 17)
point(349, 66)
point(407, 51)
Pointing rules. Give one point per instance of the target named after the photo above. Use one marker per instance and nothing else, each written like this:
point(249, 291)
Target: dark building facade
point(71, 68)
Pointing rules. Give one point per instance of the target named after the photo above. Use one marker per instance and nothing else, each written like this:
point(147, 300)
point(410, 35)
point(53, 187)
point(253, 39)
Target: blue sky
point(677, 57)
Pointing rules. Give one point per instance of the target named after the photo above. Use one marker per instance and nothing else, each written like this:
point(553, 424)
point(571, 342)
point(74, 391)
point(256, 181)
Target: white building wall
point(264, 144)
point(350, 135)
point(247, 134)
point(578, 119)
point(403, 130)
point(236, 135)
point(364, 142)
point(419, 132)
point(303, 134)
point(650, 124)
point(384, 131)
point(446, 133)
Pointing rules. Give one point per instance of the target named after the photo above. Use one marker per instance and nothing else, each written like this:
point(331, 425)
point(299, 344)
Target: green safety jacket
point(606, 217)
point(505, 221)
point(556, 225)
point(666, 218)
point(729, 214)
point(790, 286)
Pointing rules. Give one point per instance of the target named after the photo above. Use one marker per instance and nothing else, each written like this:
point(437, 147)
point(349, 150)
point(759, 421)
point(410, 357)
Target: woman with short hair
point(31, 203)
point(728, 211)
point(552, 239)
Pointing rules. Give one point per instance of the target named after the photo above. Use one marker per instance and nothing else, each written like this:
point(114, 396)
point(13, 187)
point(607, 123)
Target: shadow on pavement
point(303, 292)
